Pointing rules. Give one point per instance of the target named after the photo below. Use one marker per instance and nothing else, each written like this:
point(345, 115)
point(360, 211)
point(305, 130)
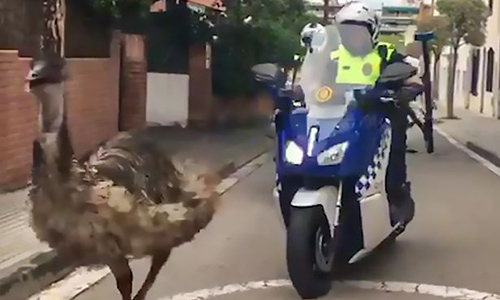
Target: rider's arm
point(398, 57)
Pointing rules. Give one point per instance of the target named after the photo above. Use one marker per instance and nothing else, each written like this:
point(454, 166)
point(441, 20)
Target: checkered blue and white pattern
point(371, 182)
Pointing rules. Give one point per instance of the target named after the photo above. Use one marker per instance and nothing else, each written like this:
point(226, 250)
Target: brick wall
point(205, 110)
point(92, 94)
point(17, 121)
point(133, 82)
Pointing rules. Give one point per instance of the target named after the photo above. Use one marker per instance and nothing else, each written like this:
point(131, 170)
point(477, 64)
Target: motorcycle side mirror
point(397, 72)
point(267, 73)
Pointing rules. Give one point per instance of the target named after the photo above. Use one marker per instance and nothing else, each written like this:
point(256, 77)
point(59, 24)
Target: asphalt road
point(453, 241)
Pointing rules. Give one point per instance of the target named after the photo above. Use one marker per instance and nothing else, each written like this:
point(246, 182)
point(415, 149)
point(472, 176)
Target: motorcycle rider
point(365, 68)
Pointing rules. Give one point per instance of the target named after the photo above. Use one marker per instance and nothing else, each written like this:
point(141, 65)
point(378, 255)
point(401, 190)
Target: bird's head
point(45, 71)
point(44, 81)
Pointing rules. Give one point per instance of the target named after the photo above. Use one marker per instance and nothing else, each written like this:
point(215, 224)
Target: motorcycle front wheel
point(310, 263)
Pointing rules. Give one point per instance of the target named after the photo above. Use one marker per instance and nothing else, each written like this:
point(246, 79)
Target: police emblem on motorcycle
point(367, 69)
point(324, 94)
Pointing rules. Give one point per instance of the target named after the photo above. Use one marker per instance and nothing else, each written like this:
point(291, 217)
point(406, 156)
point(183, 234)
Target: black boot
point(403, 209)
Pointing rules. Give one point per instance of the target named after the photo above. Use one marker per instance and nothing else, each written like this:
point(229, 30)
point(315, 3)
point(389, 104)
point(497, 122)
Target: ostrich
point(126, 200)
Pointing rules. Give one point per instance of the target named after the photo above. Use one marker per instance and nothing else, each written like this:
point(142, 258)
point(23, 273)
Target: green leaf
point(467, 21)
point(272, 36)
point(440, 25)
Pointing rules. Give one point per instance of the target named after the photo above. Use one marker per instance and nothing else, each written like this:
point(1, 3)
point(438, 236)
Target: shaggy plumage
point(128, 200)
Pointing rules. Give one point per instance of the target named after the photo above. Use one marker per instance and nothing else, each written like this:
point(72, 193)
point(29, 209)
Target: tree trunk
point(52, 39)
point(326, 14)
point(435, 85)
point(451, 83)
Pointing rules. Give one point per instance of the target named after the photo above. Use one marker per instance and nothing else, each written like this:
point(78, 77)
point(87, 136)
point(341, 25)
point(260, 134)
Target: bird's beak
point(27, 81)
point(27, 87)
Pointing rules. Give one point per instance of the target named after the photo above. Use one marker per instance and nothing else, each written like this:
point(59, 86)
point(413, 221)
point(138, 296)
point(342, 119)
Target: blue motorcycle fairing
point(362, 131)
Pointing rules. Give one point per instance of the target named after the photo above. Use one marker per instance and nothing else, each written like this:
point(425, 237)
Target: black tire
point(309, 279)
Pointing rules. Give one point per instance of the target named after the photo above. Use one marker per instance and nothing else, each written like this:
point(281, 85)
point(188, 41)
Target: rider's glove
point(414, 62)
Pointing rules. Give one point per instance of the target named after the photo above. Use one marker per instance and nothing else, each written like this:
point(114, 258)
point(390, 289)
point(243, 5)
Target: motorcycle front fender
point(327, 197)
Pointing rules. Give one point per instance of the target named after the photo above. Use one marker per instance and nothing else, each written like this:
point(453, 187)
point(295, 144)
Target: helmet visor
point(356, 38)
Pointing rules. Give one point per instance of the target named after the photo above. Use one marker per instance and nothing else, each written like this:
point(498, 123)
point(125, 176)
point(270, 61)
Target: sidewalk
point(27, 266)
point(478, 133)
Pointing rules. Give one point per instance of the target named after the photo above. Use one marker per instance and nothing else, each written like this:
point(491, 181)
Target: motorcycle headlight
point(334, 155)
point(293, 154)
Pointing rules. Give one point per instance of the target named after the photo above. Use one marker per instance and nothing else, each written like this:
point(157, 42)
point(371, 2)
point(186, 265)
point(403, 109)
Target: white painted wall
point(492, 41)
point(486, 103)
point(167, 98)
point(462, 77)
point(489, 100)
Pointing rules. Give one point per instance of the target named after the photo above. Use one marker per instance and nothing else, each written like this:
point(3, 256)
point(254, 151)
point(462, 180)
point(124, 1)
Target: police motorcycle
point(331, 159)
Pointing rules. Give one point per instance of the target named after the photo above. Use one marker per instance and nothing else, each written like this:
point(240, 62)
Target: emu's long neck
point(51, 112)
point(53, 147)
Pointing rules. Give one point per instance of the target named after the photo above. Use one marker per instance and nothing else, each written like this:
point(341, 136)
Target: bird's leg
point(123, 275)
point(157, 263)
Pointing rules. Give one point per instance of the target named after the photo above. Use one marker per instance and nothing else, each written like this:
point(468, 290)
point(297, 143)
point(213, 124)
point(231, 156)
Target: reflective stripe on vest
point(359, 70)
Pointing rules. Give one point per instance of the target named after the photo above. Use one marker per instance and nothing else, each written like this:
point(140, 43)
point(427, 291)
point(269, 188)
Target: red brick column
point(133, 82)
point(200, 85)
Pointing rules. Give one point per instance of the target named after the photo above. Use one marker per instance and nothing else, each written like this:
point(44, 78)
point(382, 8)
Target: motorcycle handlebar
point(407, 93)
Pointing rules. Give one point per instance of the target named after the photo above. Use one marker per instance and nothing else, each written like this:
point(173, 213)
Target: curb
point(486, 154)
point(32, 275)
point(484, 157)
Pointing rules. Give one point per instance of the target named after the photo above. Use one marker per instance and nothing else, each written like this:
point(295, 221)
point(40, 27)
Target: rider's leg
point(397, 187)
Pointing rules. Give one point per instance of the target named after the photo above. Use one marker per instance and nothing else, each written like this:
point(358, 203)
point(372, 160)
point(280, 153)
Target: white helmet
point(313, 36)
point(357, 12)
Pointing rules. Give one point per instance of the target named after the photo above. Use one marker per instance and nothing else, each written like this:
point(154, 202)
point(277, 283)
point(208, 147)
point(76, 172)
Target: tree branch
point(53, 29)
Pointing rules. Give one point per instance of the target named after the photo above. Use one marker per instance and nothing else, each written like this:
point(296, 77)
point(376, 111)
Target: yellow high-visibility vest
point(359, 70)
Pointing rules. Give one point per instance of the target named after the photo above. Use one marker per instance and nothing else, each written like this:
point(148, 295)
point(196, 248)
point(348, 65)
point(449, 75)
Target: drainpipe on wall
point(494, 100)
point(483, 80)
point(496, 94)
point(497, 83)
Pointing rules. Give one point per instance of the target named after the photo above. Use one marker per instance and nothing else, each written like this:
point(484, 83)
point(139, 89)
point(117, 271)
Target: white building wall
point(167, 99)
point(485, 103)
point(462, 77)
point(493, 42)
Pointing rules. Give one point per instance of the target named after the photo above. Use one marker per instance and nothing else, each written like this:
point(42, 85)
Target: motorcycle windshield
point(331, 72)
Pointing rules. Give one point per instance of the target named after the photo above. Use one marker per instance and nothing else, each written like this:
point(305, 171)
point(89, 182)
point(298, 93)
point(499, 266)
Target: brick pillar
point(133, 82)
point(200, 85)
